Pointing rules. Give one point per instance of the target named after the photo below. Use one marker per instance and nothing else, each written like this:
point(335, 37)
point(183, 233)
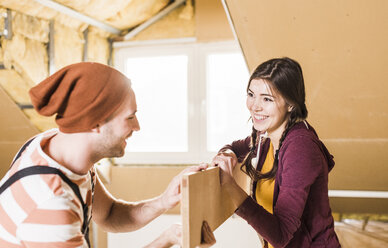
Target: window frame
point(196, 96)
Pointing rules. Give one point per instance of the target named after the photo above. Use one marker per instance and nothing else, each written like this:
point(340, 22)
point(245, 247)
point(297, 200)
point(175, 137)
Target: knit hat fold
point(81, 95)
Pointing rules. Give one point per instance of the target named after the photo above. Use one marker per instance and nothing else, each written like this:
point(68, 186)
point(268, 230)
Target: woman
point(286, 161)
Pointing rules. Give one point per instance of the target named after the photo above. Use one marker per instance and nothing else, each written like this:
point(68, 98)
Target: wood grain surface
point(204, 199)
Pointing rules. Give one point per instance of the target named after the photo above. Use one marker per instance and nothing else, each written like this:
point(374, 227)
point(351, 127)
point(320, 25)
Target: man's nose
point(136, 126)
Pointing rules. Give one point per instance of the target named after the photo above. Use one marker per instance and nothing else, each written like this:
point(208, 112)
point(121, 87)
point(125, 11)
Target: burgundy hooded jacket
point(301, 211)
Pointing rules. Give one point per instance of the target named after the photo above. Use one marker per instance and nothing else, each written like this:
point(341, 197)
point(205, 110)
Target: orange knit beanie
point(81, 95)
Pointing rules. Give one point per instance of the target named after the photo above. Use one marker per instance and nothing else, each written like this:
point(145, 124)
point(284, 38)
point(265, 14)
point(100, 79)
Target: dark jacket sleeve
point(300, 162)
point(239, 147)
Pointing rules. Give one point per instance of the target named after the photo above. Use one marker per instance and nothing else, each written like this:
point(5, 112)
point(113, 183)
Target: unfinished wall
point(25, 59)
point(204, 20)
point(98, 48)
point(135, 12)
point(179, 23)
point(120, 14)
point(68, 46)
point(211, 21)
point(14, 128)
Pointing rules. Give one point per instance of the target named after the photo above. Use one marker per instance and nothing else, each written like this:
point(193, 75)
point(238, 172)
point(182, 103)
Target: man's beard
point(114, 150)
point(112, 146)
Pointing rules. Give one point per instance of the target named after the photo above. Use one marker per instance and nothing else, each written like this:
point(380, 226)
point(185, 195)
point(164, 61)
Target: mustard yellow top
point(265, 188)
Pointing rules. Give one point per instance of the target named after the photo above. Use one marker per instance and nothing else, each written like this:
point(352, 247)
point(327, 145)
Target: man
point(52, 191)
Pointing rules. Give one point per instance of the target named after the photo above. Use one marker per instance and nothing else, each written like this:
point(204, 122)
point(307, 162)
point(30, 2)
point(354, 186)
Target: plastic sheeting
point(179, 23)
point(29, 7)
point(28, 57)
point(30, 27)
point(118, 13)
point(98, 47)
point(68, 46)
point(99, 9)
point(136, 12)
point(15, 86)
point(25, 56)
point(41, 122)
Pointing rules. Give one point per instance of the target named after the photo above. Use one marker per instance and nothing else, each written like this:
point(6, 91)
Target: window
point(226, 79)
point(190, 97)
point(160, 83)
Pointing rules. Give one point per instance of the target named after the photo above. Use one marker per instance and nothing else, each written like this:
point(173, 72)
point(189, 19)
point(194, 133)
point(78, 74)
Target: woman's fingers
point(229, 158)
point(195, 168)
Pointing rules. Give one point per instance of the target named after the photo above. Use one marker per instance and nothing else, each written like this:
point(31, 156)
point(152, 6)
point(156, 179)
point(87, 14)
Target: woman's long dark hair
point(283, 75)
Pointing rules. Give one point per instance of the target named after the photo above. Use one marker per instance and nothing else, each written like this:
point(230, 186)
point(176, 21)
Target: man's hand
point(172, 195)
point(171, 236)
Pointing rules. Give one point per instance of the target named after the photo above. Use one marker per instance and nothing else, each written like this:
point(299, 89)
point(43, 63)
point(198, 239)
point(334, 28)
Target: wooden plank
point(204, 199)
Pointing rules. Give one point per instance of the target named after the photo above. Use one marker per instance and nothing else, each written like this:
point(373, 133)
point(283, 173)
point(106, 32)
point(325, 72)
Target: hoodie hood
point(305, 126)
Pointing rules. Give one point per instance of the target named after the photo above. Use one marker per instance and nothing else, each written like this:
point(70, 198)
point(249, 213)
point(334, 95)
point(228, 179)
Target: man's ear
point(97, 129)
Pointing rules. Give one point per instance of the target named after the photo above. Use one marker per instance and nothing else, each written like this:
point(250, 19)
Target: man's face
point(120, 127)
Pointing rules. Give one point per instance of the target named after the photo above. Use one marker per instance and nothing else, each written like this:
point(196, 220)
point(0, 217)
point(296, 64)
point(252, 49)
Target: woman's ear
point(290, 108)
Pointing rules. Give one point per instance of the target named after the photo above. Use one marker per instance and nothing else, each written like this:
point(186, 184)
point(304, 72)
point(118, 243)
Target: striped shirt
point(42, 210)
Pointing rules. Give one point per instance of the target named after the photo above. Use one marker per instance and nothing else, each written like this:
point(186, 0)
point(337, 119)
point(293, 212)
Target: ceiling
point(117, 17)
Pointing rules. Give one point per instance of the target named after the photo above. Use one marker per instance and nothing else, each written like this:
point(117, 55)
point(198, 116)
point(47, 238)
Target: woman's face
point(268, 109)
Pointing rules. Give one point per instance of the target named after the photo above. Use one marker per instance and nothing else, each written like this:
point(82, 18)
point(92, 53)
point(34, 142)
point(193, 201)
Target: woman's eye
point(267, 99)
point(250, 94)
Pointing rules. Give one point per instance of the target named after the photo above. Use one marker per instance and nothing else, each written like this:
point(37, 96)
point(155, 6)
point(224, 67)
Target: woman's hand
point(226, 160)
point(226, 156)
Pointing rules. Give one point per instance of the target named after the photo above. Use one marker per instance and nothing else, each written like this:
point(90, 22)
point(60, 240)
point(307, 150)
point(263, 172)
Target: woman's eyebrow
point(267, 95)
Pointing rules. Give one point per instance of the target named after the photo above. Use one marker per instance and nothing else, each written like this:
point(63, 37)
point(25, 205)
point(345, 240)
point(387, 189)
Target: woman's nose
point(257, 106)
